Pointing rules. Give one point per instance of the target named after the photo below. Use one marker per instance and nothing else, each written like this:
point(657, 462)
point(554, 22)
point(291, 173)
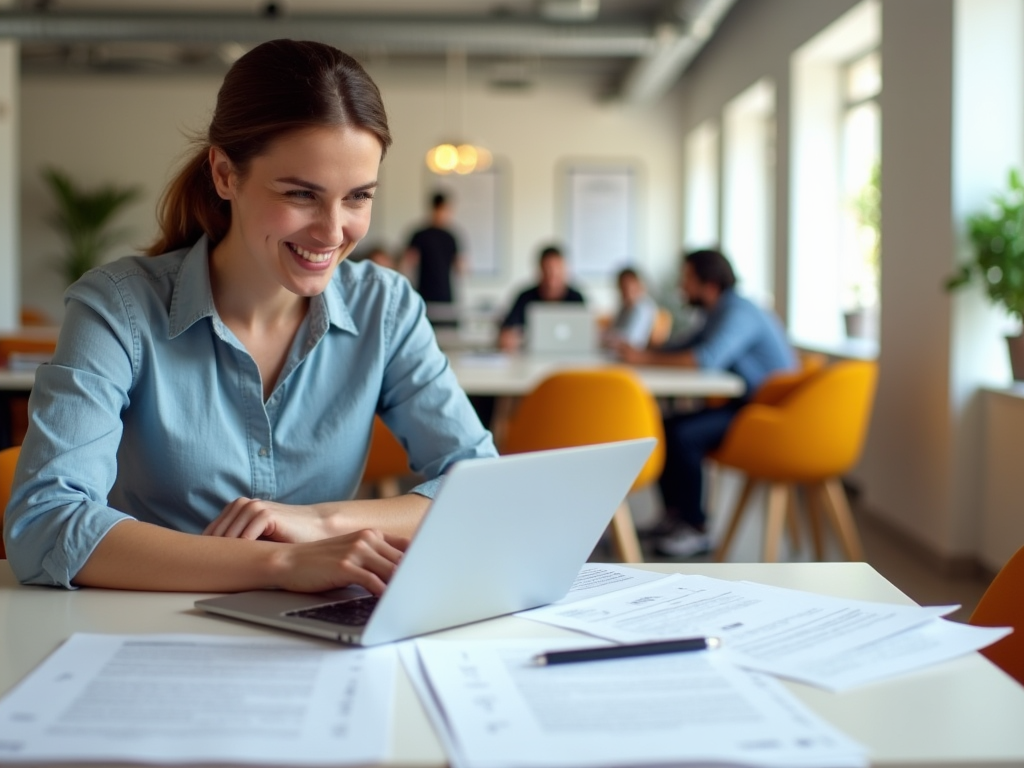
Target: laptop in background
point(557, 328)
point(502, 535)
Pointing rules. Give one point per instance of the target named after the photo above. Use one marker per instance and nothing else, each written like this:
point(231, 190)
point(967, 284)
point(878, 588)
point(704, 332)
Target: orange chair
point(585, 407)
point(386, 461)
point(1001, 606)
point(808, 436)
point(8, 461)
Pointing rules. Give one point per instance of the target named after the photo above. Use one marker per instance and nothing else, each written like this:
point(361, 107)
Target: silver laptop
point(502, 535)
point(555, 328)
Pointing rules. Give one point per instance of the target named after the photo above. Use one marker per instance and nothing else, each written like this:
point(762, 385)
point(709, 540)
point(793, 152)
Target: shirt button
point(264, 452)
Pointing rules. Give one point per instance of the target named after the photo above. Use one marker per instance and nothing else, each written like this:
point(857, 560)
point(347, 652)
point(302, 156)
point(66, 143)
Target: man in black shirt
point(435, 252)
point(553, 286)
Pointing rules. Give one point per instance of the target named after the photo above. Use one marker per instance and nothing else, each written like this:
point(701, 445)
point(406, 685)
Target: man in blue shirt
point(736, 336)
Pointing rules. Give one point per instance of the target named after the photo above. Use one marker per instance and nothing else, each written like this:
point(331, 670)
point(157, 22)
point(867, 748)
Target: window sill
point(844, 349)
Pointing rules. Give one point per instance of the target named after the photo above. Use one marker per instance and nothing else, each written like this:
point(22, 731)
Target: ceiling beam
point(414, 35)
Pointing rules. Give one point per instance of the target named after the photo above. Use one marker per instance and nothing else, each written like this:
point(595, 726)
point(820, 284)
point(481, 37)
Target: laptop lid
point(502, 535)
point(563, 328)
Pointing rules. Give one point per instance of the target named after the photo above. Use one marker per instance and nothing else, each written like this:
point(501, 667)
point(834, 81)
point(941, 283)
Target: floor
point(909, 571)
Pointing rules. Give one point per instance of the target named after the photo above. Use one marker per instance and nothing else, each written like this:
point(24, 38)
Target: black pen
point(626, 651)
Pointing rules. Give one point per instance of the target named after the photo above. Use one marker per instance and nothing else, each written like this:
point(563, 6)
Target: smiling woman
point(205, 421)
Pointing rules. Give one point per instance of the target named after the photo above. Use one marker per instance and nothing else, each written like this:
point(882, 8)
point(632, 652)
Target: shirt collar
point(193, 297)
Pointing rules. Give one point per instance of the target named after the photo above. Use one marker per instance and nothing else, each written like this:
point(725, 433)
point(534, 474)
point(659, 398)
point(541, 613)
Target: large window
point(836, 80)
point(701, 214)
point(748, 190)
point(860, 175)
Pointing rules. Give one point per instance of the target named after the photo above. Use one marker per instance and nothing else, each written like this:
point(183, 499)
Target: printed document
point(202, 698)
point(935, 641)
point(761, 627)
point(497, 709)
point(601, 578)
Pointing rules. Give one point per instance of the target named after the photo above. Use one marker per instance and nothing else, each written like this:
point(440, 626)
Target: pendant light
point(456, 156)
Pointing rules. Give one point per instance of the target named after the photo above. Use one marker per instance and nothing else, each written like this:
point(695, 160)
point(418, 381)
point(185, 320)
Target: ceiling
point(642, 46)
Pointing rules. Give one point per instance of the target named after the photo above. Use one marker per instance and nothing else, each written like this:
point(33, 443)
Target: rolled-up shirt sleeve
point(58, 510)
point(421, 400)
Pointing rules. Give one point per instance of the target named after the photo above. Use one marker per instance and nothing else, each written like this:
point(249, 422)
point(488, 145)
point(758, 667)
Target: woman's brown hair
point(276, 88)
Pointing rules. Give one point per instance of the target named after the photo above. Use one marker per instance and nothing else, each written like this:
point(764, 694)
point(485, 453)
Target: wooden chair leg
point(793, 519)
point(842, 519)
point(775, 521)
point(627, 545)
point(814, 519)
point(388, 487)
point(734, 521)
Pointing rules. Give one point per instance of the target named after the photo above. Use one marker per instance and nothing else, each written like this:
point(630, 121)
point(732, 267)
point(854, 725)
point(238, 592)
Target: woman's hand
point(258, 519)
point(365, 558)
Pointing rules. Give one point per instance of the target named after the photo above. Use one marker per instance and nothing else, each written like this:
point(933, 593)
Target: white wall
point(129, 130)
point(9, 108)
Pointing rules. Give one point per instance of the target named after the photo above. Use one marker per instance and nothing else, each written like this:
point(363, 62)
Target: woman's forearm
point(397, 515)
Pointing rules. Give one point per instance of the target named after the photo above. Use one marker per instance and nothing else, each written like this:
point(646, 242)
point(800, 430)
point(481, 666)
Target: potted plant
point(997, 241)
point(83, 219)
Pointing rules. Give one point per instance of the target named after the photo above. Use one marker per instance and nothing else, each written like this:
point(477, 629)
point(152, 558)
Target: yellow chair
point(386, 461)
point(8, 461)
point(1002, 606)
point(585, 407)
point(808, 436)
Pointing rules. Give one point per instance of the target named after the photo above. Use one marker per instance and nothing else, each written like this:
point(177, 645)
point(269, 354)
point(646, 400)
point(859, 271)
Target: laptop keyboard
point(352, 612)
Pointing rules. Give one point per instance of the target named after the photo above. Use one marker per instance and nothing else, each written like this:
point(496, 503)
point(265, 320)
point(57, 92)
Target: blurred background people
point(634, 321)
point(736, 336)
point(432, 255)
point(553, 286)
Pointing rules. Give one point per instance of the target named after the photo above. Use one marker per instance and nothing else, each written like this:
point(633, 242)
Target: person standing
point(736, 336)
point(433, 253)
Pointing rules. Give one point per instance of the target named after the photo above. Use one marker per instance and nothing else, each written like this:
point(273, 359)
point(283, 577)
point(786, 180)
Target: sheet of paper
point(500, 710)
point(930, 643)
point(597, 579)
point(761, 627)
point(202, 698)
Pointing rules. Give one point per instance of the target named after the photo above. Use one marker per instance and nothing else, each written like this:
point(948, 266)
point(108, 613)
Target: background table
point(963, 713)
point(495, 373)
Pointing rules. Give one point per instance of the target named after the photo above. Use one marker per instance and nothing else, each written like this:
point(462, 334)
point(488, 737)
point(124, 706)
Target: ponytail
point(190, 207)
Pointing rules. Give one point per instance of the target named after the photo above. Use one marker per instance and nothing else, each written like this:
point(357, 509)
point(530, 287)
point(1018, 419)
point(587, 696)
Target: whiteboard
point(601, 218)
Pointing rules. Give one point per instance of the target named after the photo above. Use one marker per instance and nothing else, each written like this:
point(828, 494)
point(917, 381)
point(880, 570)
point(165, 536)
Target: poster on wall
point(601, 218)
point(476, 199)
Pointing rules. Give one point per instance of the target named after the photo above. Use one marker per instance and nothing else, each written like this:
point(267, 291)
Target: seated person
point(736, 336)
point(553, 286)
point(205, 421)
point(380, 256)
point(636, 315)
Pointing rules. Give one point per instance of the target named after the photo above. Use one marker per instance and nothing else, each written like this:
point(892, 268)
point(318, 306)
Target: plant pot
point(1015, 345)
point(861, 323)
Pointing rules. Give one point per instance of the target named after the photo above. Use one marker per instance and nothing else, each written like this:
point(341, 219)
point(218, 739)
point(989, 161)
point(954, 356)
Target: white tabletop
point(961, 713)
point(495, 373)
point(16, 381)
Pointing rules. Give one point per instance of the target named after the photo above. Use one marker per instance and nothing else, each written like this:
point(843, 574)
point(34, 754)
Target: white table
point(496, 373)
point(964, 713)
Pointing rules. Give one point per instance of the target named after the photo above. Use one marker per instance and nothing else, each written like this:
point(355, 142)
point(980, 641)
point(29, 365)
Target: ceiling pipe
point(676, 43)
point(500, 36)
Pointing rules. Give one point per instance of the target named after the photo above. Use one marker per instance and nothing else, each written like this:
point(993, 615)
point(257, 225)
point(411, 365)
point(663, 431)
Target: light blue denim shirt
point(740, 337)
point(152, 409)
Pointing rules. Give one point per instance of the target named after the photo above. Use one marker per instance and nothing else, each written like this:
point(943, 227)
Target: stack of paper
point(494, 708)
point(200, 698)
point(830, 642)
